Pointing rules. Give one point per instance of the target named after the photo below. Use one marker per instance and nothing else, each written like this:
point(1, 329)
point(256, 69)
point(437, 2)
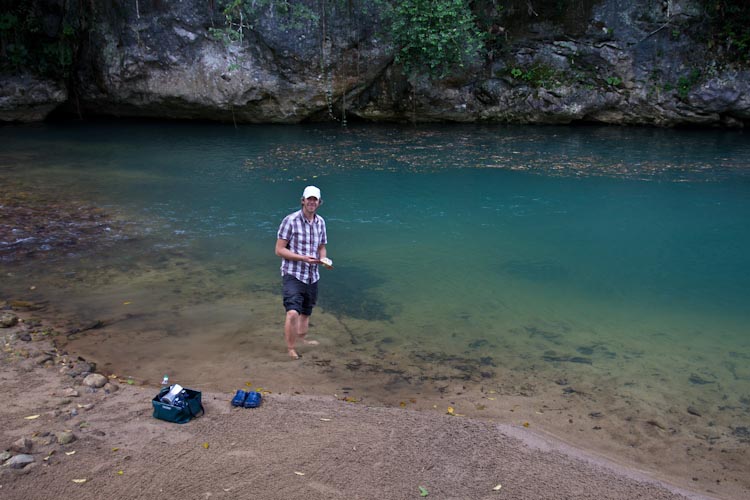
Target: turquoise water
point(591, 252)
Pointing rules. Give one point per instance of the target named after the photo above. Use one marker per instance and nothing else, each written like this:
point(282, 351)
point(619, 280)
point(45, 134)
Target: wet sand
point(292, 446)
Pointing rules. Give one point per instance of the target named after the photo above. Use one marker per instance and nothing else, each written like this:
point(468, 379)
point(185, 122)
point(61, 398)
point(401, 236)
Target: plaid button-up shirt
point(304, 238)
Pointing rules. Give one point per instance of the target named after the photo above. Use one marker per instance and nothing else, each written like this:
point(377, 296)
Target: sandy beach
point(83, 441)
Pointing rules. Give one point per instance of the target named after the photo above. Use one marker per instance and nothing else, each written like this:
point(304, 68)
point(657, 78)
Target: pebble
point(45, 359)
point(5, 455)
point(65, 437)
point(8, 319)
point(22, 445)
point(109, 387)
point(95, 380)
point(693, 411)
point(80, 368)
point(19, 461)
point(44, 440)
point(70, 393)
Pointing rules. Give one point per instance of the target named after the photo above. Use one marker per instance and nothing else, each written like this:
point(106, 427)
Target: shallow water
point(532, 260)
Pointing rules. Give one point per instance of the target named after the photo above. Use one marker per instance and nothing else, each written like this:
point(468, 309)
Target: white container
point(173, 391)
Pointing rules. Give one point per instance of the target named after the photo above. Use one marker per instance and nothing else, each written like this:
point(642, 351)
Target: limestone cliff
point(609, 61)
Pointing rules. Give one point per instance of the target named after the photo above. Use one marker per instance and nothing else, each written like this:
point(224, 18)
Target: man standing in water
point(301, 244)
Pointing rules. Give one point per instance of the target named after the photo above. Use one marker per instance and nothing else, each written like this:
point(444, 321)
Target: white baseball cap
point(311, 191)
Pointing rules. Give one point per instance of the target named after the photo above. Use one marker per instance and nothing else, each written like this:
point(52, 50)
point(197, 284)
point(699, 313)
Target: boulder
point(95, 380)
point(26, 98)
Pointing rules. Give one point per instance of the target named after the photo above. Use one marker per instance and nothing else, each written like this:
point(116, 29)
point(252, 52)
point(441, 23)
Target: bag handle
point(193, 415)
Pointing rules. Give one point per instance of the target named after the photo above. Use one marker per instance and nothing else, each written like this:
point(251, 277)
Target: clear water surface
point(528, 259)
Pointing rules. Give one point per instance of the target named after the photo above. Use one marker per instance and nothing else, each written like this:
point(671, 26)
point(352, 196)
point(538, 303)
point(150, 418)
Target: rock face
point(642, 62)
point(27, 98)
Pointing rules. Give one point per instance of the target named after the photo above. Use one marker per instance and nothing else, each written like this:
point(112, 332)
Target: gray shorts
point(299, 296)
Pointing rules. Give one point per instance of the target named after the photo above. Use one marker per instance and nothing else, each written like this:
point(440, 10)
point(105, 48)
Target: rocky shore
point(68, 430)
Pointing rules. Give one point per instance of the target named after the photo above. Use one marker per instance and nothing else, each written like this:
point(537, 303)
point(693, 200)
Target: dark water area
point(602, 270)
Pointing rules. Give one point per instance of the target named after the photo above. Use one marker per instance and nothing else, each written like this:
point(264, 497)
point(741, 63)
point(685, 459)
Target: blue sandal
point(239, 398)
point(253, 400)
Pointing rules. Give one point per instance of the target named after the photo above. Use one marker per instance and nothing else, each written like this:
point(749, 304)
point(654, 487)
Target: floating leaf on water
point(120, 473)
point(497, 488)
point(249, 384)
point(402, 404)
point(451, 411)
point(325, 419)
point(526, 424)
point(70, 452)
point(205, 445)
point(126, 303)
point(31, 417)
point(423, 491)
point(115, 449)
point(79, 481)
point(130, 381)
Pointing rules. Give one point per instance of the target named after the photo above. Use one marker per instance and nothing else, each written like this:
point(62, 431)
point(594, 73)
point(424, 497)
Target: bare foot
point(310, 342)
point(293, 354)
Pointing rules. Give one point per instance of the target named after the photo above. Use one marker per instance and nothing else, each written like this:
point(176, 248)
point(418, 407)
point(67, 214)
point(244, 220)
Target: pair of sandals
point(249, 399)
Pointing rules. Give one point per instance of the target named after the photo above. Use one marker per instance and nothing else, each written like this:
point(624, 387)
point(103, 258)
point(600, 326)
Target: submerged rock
point(8, 319)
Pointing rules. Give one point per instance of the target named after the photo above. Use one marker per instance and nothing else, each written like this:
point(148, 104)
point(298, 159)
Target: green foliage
point(730, 28)
point(25, 46)
point(614, 81)
point(240, 16)
point(686, 83)
point(434, 36)
point(538, 75)
point(8, 22)
point(430, 36)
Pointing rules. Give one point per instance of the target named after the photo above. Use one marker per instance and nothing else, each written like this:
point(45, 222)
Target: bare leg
point(303, 324)
point(291, 329)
